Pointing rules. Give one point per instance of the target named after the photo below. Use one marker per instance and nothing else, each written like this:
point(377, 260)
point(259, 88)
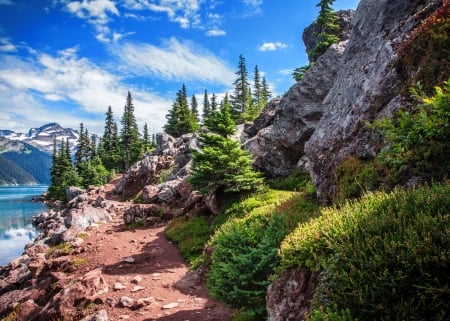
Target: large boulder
point(277, 148)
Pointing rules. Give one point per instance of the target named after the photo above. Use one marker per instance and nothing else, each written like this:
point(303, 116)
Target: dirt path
point(142, 264)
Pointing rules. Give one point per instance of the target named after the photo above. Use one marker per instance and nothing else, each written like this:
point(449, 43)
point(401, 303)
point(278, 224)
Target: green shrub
point(418, 143)
point(243, 257)
point(354, 176)
point(424, 56)
point(294, 182)
point(191, 235)
point(330, 314)
point(385, 257)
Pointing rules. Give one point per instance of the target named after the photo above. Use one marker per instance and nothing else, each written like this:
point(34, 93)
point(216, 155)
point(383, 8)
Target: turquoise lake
point(16, 212)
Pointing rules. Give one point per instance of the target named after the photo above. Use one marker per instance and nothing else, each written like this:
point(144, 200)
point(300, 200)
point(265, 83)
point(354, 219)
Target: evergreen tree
point(180, 119)
point(206, 106)
point(221, 165)
point(328, 26)
point(131, 144)
point(214, 104)
point(239, 99)
point(258, 88)
point(62, 173)
point(265, 93)
point(109, 146)
point(83, 147)
point(220, 121)
point(146, 140)
point(194, 109)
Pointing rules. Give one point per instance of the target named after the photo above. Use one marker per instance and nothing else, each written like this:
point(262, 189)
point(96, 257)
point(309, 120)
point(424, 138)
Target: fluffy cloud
point(42, 88)
point(174, 60)
point(97, 13)
point(272, 46)
point(185, 13)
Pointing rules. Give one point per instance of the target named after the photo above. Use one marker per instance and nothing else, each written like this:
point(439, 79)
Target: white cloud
point(185, 13)
point(6, 2)
point(272, 46)
point(6, 45)
point(97, 13)
point(174, 60)
point(31, 89)
point(216, 33)
point(254, 6)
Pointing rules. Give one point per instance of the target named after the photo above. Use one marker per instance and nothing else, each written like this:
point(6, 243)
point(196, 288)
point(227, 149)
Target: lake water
point(16, 212)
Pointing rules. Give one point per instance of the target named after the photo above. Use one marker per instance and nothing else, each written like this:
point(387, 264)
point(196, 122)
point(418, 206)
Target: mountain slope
point(31, 165)
point(11, 174)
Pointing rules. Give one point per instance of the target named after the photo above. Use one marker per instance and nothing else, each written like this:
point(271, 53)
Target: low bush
point(191, 235)
point(384, 257)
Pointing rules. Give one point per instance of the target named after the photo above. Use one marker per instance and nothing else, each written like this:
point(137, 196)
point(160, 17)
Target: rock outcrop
point(366, 86)
point(344, 21)
point(278, 147)
point(320, 122)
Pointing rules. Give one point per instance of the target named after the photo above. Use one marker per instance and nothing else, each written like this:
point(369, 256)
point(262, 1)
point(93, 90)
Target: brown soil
point(165, 276)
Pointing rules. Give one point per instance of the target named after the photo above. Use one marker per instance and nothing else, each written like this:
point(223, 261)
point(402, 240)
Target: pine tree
point(206, 106)
point(328, 26)
point(180, 119)
point(129, 136)
point(194, 109)
point(220, 121)
point(221, 165)
point(258, 88)
point(109, 146)
point(62, 172)
point(265, 92)
point(239, 99)
point(214, 104)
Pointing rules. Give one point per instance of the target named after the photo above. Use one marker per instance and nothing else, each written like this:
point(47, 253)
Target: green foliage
point(131, 144)
point(245, 247)
point(425, 55)
point(418, 141)
point(300, 72)
point(221, 165)
point(385, 257)
point(330, 314)
point(191, 235)
point(181, 119)
point(294, 182)
point(353, 177)
point(245, 315)
point(244, 255)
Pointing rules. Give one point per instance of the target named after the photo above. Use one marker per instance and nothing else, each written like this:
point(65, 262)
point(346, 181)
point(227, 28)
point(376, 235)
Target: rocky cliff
point(363, 84)
point(320, 122)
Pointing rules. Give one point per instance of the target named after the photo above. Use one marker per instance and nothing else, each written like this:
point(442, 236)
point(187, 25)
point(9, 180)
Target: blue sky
point(67, 61)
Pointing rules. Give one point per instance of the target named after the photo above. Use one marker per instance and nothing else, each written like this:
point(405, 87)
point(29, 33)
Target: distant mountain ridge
point(43, 137)
point(25, 158)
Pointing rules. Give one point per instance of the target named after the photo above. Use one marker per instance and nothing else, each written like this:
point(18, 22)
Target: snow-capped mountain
point(43, 137)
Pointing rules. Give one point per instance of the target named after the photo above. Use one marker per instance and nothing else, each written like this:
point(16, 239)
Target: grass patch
point(191, 235)
point(79, 262)
point(384, 257)
point(83, 235)
point(60, 250)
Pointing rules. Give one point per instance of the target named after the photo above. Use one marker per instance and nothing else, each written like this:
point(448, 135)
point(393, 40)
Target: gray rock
point(365, 87)
point(101, 315)
point(126, 302)
point(277, 148)
point(345, 18)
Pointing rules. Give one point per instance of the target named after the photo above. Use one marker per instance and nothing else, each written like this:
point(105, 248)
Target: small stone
point(126, 302)
point(137, 288)
point(137, 279)
point(118, 286)
point(170, 306)
point(124, 317)
point(129, 260)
